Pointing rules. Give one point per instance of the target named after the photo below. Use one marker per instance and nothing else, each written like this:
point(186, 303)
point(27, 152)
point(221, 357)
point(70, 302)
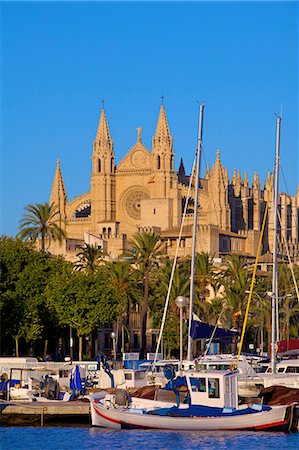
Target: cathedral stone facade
point(145, 192)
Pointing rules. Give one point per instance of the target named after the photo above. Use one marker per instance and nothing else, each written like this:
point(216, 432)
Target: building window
point(99, 165)
point(112, 165)
point(154, 210)
point(136, 340)
point(159, 162)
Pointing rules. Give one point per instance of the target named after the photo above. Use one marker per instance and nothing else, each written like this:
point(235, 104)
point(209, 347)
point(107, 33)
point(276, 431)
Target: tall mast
point(198, 155)
point(274, 304)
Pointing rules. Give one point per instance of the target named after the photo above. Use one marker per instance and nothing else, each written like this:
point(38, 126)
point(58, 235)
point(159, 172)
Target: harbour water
point(65, 438)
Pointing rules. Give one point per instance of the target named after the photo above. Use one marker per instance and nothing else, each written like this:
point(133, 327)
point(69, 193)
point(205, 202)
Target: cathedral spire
point(162, 129)
point(162, 149)
point(58, 194)
point(246, 182)
point(103, 153)
point(103, 134)
point(208, 171)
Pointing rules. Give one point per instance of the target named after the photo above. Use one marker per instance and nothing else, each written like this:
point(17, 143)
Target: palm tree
point(289, 311)
point(42, 221)
point(89, 258)
point(123, 278)
point(235, 280)
point(146, 250)
point(180, 286)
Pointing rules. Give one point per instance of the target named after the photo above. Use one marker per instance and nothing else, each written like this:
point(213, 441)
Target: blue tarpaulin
point(201, 330)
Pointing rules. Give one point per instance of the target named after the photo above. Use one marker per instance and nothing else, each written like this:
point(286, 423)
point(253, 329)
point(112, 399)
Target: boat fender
point(227, 410)
point(4, 377)
point(257, 407)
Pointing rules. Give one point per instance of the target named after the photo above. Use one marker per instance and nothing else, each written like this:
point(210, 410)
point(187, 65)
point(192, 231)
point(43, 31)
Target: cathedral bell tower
point(163, 158)
point(102, 177)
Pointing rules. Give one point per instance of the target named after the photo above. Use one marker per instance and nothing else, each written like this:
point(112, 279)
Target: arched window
point(112, 165)
point(99, 165)
point(158, 162)
point(109, 232)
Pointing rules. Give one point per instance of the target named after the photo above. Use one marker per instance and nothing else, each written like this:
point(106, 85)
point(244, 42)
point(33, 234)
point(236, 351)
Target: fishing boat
point(211, 404)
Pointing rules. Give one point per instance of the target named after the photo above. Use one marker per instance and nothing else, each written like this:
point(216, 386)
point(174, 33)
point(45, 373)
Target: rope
point(212, 336)
point(289, 258)
point(253, 280)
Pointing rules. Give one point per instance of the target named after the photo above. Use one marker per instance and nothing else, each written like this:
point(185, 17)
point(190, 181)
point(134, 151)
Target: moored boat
point(212, 405)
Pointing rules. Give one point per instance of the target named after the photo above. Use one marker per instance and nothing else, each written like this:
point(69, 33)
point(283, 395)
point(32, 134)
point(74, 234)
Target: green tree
point(25, 273)
point(83, 301)
point(89, 257)
point(122, 277)
point(235, 280)
point(146, 251)
point(39, 323)
point(160, 285)
point(289, 315)
point(41, 221)
point(15, 255)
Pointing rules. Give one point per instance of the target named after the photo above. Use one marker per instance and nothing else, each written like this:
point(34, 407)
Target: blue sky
point(59, 60)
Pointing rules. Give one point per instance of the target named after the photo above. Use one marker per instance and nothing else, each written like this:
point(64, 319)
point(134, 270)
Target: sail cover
point(201, 330)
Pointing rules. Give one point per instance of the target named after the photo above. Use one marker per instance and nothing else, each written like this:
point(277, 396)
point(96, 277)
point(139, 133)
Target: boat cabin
point(135, 378)
point(287, 366)
point(213, 388)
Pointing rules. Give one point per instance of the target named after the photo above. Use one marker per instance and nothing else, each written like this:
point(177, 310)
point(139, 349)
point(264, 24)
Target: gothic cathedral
point(145, 192)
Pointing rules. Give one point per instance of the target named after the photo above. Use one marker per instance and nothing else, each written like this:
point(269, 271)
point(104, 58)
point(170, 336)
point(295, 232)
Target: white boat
point(287, 374)
point(213, 405)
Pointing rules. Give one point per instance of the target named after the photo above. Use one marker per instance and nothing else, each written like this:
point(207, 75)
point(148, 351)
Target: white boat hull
point(278, 418)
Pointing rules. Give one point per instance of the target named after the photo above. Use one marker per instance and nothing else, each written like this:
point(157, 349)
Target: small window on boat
point(281, 369)
point(213, 386)
point(292, 369)
point(198, 384)
point(139, 375)
point(128, 376)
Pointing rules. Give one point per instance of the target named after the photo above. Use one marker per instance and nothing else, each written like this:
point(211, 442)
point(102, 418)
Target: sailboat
point(211, 402)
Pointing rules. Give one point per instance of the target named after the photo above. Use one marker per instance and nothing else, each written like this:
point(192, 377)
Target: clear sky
point(59, 60)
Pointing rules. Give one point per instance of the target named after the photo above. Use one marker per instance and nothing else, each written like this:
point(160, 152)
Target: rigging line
point(284, 179)
point(253, 276)
point(212, 336)
point(289, 257)
point(174, 265)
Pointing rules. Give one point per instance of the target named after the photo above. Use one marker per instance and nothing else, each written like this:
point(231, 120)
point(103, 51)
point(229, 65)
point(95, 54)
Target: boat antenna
point(193, 259)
